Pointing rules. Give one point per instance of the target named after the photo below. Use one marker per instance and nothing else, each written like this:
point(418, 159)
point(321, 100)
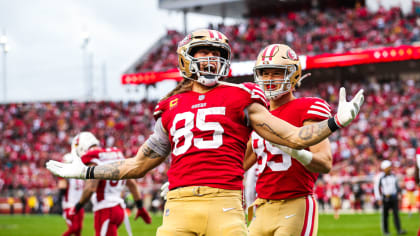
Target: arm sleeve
point(159, 140)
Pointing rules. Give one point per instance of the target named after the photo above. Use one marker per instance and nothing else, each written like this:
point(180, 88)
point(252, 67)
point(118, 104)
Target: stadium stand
point(309, 32)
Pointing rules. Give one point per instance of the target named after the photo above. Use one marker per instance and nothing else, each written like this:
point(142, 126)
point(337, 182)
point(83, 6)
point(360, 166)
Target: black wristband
point(332, 125)
point(89, 172)
point(139, 204)
point(61, 194)
point(78, 207)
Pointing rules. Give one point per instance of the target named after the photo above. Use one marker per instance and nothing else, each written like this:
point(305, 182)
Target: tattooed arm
point(281, 132)
point(153, 152)
point(278, 131)
point(131, 168)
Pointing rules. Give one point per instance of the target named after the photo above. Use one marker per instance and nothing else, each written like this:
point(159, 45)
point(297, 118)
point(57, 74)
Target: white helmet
point(68, 157)
point(82, 142)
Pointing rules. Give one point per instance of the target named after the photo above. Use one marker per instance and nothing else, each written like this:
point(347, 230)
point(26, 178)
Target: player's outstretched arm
point(131, 168)
point(135, 167)
point(281, 132)
point(153, 152)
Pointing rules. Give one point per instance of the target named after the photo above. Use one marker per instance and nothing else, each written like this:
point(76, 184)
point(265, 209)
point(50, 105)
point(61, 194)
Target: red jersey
point(280, 175)
point(410, 184)
point(208, 134)
point(108, 192)
point(336, 190)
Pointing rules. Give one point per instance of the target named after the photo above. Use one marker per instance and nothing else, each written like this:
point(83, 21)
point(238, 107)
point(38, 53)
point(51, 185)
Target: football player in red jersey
point(410, 188)
point(205, 123)
point(286, 204)
point(108, 204)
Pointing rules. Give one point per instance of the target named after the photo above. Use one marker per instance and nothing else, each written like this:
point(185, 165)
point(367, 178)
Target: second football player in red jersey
point(285, 203)
point(205, 123)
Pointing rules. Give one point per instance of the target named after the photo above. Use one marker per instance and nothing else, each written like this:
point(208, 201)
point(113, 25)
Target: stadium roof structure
point(246, 8)
point(223, 8)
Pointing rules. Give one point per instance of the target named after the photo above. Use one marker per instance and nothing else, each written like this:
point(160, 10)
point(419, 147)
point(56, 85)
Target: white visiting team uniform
point(73, 193)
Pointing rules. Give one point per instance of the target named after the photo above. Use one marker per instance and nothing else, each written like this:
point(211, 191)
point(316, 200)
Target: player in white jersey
point(105, 195)
point(70, 192)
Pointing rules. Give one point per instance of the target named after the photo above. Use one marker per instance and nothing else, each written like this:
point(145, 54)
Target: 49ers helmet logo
point(292, 55)
point(185, 40)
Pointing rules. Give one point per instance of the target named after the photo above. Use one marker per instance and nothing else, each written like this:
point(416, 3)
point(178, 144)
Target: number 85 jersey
point(279, 175)
point(208, 133)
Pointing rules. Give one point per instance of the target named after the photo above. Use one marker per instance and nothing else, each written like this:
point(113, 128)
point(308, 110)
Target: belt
point(200, 191)
point(261, 201)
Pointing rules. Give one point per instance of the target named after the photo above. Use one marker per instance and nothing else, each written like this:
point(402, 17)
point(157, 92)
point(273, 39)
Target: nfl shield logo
point(201, 97)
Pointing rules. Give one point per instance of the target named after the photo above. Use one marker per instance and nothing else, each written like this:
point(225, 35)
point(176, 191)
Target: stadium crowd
point(32, 133)
point(308, 32)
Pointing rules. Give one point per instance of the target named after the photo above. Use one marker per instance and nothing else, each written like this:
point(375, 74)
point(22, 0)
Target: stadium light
point(5, 49)
point(85, 62)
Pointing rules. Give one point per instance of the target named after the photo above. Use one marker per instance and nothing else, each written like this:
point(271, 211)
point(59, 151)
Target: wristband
point(78, 207)
point(332, 124)
point(303, 156)
point(89, 172)
point(61, 194)
point(139, 204)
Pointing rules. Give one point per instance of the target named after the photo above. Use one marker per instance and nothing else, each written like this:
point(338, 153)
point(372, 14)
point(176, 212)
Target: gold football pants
point(203, 211)
point(289, 217)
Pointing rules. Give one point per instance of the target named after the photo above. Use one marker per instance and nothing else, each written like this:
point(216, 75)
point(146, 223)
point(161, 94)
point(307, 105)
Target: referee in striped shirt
point(386, 192)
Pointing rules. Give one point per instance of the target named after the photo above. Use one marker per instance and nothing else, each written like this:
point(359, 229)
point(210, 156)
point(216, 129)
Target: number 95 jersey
point(279, 175)
point(208, 134)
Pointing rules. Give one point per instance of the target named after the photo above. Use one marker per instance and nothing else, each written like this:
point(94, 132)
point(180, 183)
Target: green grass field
point(45, 225)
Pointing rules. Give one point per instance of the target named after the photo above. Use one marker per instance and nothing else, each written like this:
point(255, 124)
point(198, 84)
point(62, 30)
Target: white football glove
point(164, 190)
point(347, 111)
point(303, 156)
point(75, 169)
